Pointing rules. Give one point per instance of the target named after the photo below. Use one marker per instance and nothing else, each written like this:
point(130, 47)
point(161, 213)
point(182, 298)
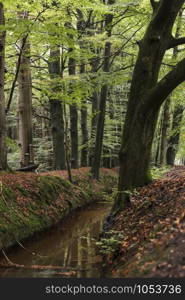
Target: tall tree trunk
point(94, 120)
point(73, 119)
point(164, 130)
point(166, 116)
point(108, 150)
point(25, 107)
point(103, 99)
point(3, 152)
point(67, 146)
point(84, 128)
point(56, 112)
point(145, 99)
point(81, 26)
point(84, 151)
point(173, 141)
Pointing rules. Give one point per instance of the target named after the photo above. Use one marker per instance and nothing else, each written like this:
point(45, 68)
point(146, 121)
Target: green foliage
point(11, 144)
point(110, 243)
point(158, 172)
point(52, 24)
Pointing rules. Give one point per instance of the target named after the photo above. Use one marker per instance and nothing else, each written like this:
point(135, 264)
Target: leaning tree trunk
point(56, 112)
point(146, 97)
point(25, 107)
point(3, 152)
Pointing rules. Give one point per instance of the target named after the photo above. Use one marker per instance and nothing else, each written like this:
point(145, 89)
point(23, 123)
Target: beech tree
point(56, 111)
point(3, 156)
point(173, 141)
point(169, 147)
point(81, 59)
point(147, 93)
point(25, 106)
point(103, 98)
point(73, 117)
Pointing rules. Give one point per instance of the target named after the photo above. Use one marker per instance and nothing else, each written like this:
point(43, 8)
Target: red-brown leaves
point(156, 216)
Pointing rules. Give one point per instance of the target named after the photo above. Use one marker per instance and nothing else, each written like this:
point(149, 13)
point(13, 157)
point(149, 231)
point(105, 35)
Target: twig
point(6, 257)
point(37, 267)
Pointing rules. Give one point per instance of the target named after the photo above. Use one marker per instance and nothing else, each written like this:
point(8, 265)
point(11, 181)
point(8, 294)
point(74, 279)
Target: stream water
point(70, 245)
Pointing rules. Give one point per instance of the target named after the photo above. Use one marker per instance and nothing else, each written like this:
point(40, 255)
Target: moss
point(148, 177)
point(8, 194)
point(48, 187)
point(51, 186)
point(49, 198)
point(23, 191)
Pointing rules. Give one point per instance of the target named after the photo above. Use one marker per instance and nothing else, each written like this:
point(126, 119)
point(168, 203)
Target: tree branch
point(16, 75)
point(122, 47)
point(165, 86)
point(167, 10)
point(176, 42)
point(154, 4)
point(40, 57)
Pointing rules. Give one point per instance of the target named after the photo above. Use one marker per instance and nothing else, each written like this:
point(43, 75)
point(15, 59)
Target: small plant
point(110, 243)
point(157, 173)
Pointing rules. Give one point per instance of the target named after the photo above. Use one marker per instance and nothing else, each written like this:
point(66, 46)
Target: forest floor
point(151, 233)
point(147, 240)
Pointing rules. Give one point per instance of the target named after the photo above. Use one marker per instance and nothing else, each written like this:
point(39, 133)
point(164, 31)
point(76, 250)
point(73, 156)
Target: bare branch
point(123, 46)
point(40, 57)
point(123, 68)
point(41, 116)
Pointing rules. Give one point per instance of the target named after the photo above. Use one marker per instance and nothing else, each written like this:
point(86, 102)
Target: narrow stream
point(70, 245)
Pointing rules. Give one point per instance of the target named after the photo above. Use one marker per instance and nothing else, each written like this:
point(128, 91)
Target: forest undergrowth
point(153, 230)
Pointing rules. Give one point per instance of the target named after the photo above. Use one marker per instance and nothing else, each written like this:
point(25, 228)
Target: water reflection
point(71, 245)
